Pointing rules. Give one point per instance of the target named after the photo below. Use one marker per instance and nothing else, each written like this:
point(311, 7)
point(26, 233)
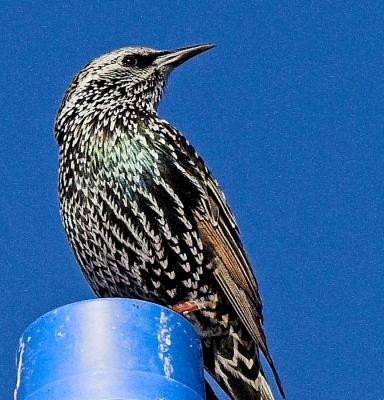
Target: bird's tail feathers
point(237, 366)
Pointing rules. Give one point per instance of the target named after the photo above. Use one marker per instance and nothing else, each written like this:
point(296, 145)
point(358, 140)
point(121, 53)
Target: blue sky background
point(288, 113)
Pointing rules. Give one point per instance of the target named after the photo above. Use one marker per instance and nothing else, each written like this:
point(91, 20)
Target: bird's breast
point(124, 210)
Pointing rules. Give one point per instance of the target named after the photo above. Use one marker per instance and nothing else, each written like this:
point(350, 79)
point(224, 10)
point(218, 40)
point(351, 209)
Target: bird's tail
point(233, 360)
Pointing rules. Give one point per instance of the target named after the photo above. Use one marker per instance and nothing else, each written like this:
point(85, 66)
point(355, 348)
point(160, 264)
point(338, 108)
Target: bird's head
point(128, 78)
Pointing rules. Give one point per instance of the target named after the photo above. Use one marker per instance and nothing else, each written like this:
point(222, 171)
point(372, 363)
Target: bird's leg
point(186, 307)
point(207, 302)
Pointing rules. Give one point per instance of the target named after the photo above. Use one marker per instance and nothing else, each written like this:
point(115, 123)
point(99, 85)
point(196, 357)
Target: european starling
point(147, 220)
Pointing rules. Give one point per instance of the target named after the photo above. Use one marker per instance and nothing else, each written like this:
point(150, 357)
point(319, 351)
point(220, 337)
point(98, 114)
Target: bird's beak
point(174, 58)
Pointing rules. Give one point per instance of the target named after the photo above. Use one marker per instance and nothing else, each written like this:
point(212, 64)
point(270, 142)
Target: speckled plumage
point(146, 219)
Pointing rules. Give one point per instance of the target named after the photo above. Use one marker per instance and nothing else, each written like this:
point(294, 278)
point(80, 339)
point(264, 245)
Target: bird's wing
point(232, 268)
point(221, 223)
point(218, 230)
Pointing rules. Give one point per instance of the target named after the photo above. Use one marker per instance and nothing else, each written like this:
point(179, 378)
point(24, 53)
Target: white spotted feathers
point(146, 219)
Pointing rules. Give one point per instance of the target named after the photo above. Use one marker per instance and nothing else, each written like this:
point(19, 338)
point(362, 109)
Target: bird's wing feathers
point(221, 219)
point(232, 268)
point(218, 229)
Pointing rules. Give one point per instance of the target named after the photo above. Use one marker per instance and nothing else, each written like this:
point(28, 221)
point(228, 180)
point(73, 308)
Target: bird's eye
point(129, 61)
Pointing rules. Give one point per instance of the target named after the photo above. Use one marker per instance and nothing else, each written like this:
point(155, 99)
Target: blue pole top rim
point(104, 348)
point(107, 299)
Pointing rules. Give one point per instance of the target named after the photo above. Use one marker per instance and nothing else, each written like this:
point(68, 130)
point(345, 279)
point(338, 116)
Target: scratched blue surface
point(110, 349)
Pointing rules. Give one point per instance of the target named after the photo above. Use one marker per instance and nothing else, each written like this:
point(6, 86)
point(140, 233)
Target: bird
point(146, 219)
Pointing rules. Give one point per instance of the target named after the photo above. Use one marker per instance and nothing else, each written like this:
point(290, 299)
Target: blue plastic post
point(110, 349)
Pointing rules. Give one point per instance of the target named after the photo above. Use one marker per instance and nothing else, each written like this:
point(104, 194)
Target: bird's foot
point(186, 307)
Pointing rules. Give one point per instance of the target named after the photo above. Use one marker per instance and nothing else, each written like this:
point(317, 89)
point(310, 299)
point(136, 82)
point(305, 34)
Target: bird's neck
point(80, 118)
point(89, 105)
